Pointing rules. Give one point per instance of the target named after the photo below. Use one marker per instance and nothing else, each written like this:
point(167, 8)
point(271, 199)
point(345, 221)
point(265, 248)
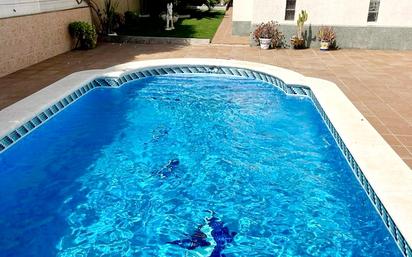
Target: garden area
point(193, 24)
point(198, 19)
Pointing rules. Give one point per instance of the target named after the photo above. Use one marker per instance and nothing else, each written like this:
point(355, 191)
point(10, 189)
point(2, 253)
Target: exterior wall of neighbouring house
point(27, 40)
point(392, 30)
point(17, 8)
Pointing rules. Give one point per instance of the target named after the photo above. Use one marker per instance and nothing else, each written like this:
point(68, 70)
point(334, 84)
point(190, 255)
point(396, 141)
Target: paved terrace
point(379, 83)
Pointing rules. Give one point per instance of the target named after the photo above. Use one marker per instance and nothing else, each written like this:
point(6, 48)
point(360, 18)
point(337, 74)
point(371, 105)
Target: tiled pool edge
point(380, 208)
point(15, 135)
point(40, 118)
point(119, 75)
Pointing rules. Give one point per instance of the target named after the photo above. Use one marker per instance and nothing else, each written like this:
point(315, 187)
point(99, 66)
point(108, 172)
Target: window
point(373, 10)
point(290, 10)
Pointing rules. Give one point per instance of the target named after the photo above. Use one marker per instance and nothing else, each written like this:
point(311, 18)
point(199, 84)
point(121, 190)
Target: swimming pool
point(157, 160)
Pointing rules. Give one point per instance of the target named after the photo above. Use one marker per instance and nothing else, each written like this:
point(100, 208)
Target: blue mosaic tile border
point(380, 208)
point(288, 89)
point(296, 90)
point(42, 117)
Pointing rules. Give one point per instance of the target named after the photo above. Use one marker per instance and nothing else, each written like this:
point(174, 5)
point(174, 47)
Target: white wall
point(267, 10)
point(336, 12)
point(242, 10)
point(11, 8)
point(395, 13)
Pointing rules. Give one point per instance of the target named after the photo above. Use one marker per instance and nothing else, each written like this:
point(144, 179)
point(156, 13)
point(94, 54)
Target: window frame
point(373, 10)
point(290, 10)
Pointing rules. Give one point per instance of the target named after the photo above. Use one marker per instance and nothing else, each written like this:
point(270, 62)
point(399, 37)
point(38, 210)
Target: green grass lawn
point(200, 25)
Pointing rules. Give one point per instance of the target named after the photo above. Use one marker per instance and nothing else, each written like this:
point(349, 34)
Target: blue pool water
point(136, 171)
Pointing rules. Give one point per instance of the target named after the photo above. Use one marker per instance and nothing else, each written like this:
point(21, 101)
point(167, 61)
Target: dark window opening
point(373, 10)
point(290, 10)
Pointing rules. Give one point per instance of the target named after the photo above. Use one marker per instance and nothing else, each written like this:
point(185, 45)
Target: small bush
point(84, 34)
point(334, 45)
point(131, 18)
point(119, 19)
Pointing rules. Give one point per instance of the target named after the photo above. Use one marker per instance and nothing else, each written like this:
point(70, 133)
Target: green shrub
point(84, 34)
point(131, 18)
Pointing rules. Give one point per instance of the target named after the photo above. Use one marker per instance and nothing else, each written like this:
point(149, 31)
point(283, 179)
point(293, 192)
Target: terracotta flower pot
point(265, 43)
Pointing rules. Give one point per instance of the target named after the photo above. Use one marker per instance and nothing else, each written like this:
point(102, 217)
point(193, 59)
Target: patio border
point(384, 176)
point(156, 40)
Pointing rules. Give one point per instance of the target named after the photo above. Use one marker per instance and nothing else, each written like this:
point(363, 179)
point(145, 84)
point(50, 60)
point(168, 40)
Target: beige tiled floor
point(379, 83)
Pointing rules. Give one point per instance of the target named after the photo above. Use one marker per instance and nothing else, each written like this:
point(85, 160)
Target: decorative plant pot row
point(265, 44)
point(267, 35)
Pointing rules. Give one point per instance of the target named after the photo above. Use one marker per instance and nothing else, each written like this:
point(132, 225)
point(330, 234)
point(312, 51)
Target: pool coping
point(385, 177)
point(123, 39)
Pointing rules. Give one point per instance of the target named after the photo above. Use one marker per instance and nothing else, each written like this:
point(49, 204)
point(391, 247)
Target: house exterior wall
point(29, 39)
point(242, 16)
point(242, 10)
point(392, 30)
point(397, 13)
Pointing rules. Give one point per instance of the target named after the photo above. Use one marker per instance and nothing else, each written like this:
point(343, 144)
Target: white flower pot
point(265, 43)
point(324, 45)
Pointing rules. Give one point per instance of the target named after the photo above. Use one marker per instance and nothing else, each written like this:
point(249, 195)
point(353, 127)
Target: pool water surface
point(230, 166)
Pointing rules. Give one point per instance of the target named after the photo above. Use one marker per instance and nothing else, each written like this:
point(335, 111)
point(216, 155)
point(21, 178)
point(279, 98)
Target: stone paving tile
point(379, 83)
point(402, 151)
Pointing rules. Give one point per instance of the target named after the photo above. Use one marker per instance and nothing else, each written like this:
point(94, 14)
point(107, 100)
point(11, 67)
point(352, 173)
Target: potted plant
point(268, 35)
point(326, 36)
point(297, 41)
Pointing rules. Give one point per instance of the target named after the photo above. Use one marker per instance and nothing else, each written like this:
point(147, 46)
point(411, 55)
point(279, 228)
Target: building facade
point(374, 24)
